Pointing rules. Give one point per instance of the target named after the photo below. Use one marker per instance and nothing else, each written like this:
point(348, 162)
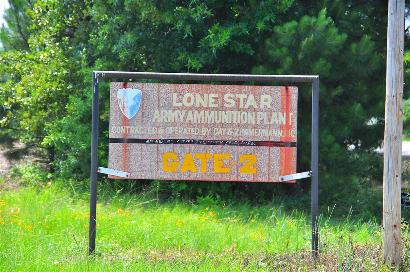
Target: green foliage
point(41, 87)
point(171, 36)
point(29, 175)
point(406, 118)
point(314, 45)
point(45, 89)
point(36, 89)
point(15, 35)
point(406, 103)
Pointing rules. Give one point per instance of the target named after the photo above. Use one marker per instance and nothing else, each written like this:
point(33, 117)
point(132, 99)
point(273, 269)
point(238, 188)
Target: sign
point(203, 132)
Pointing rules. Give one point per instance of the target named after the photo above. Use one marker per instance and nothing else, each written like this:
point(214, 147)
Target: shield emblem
point(129, 101)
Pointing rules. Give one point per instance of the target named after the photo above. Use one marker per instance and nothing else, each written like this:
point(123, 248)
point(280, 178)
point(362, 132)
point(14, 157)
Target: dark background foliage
point(51, 47)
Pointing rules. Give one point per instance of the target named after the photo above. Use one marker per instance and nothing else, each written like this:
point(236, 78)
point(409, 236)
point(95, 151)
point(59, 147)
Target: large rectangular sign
point(203, 132)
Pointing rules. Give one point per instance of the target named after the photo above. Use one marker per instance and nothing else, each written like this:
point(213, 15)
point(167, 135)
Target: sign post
point(243, 133)
point(94, 165)
point(314, 162)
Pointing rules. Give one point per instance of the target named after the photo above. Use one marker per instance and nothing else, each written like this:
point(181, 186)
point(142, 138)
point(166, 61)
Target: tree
point(15, 35)
point(39, 79)
point(46, 90)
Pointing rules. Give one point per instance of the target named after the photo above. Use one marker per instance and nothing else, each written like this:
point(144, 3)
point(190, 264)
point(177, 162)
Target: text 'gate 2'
point(203, 132)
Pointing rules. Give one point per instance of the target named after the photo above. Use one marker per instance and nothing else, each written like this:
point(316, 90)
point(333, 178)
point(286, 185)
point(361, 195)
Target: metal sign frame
point(127, 76)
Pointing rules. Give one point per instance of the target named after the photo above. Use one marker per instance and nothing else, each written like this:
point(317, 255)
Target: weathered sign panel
point(203, 132)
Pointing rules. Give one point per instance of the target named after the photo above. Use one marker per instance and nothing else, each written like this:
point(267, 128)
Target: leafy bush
point(406, 118)
point(45, 88)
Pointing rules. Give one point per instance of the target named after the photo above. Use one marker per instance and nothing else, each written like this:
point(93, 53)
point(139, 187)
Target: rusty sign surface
point(203, 132)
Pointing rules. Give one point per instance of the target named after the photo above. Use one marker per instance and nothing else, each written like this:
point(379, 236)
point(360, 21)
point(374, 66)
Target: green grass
point(45, 228)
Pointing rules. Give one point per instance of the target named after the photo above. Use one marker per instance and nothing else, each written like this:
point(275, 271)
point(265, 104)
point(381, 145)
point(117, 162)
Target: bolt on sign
point(203, 132)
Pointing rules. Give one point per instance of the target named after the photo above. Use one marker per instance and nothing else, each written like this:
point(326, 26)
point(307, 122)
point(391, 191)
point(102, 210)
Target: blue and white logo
point(129, 101)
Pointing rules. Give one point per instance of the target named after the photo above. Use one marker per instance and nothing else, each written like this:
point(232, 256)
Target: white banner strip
point(113, 172)
point(302, 175)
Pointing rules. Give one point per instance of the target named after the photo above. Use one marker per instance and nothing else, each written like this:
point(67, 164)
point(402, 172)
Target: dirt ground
point(18, 153)
point(11, 155)
point(5, 163)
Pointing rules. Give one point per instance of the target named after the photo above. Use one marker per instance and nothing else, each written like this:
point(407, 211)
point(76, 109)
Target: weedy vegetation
point(44, 227)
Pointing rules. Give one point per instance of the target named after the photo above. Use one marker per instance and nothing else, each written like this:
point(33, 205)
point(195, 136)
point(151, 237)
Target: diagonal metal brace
point(113, 172)
point(302, 175)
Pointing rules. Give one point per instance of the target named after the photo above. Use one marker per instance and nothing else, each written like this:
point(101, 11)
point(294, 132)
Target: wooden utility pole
point(393, 133)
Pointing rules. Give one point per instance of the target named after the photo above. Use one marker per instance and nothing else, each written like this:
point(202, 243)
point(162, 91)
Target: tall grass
point(45, 228)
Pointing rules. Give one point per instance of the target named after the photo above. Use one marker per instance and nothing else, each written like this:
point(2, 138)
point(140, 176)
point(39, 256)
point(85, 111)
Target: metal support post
point(94, 166)
point(315, 167)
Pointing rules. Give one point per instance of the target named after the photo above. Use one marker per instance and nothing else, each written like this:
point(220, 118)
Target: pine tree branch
point(19, 28)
